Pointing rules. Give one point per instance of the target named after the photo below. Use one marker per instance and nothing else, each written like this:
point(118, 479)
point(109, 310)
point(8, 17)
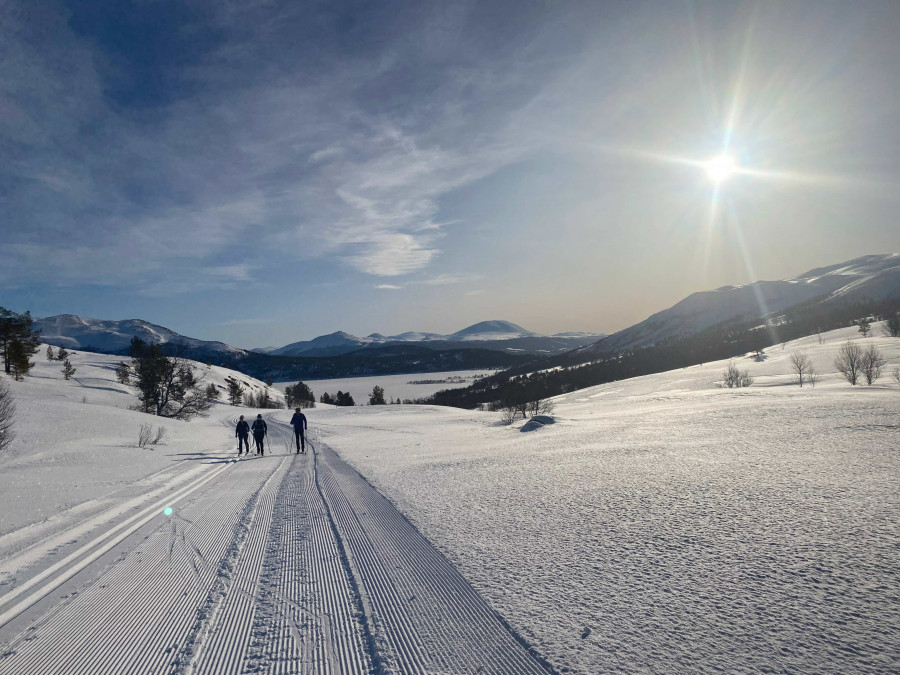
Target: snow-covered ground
point(410, 386)
point(661, 524)
point(76, 440)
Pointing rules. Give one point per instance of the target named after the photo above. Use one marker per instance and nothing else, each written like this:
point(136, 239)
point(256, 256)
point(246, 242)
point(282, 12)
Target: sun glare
point(720, 168)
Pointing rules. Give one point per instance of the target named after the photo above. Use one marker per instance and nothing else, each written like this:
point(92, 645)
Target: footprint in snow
point(585, 633)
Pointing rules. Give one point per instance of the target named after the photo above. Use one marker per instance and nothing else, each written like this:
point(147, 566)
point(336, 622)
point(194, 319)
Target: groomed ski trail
point(285, 563)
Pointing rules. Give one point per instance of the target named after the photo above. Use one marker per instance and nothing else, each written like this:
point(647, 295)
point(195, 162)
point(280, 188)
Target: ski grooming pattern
point(285, 563)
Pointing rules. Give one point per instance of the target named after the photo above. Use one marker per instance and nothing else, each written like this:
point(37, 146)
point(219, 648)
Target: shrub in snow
point(147, 435)
point(892, 326)
point(848, 362)
point(896, 375)
point(872, 363)
point(7, 413)
point(734, 378)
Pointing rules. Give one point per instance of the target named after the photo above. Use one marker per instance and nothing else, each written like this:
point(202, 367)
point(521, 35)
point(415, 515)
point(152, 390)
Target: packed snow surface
point(664, 524)
point(659, 524)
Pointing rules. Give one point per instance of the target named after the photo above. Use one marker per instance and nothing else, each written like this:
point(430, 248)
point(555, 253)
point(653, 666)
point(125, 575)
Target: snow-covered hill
point(873, 276)
point(76, 332)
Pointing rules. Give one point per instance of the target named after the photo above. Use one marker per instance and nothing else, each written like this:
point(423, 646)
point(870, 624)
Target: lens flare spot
point(168, 510)
point(720, 168)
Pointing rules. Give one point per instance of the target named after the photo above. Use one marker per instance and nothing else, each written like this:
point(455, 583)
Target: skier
point(298, 421)
point(242, 433)
point(260, 431)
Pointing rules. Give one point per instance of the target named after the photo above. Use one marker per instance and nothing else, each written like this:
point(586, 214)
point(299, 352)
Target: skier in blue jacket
point(298, 421)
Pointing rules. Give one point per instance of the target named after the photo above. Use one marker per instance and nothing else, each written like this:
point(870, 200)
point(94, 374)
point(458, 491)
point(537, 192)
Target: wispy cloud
point(389, 287)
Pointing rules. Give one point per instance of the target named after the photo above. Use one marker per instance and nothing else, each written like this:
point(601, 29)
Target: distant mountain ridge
point(495, 334)
point(868, 277)
point(76, 332)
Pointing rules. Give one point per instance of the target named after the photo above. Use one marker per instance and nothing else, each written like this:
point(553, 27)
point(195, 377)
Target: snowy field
point(410, 386)
point(661, 524)
point(667, 525)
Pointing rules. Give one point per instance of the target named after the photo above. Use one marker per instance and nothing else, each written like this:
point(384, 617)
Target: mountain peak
point(497, 329)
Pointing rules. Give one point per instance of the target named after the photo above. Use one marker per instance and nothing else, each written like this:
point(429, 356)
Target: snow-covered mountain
point(76, 332)
point(502, 335)
point(872, 276)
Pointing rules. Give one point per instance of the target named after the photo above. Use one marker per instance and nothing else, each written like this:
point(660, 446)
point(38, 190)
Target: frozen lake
point(408, 386)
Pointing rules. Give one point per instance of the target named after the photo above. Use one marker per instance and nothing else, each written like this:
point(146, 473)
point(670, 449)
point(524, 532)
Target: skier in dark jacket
point(260, 431)
point(298, 421)
point(242, 433)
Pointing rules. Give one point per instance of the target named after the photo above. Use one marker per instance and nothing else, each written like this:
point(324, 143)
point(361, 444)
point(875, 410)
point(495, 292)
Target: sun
point(720, 168)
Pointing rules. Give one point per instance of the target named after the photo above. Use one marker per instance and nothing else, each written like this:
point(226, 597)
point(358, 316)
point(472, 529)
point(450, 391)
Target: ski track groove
point(229, 630)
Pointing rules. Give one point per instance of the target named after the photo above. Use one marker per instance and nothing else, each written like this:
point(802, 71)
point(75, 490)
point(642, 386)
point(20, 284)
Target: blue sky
point(264, 172)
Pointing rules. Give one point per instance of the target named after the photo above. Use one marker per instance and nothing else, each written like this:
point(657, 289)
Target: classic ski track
point(222, 641)
point(313, 625)
point(425, 616)
point(148, 595)
point(282, 564)
point(57, 574)
point(16, 562)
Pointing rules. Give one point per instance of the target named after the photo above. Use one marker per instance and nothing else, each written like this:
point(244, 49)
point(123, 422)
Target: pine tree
point(167, 385)
point(67, 370)
point(377, 396)
point(235, 391)
point(123, 373)
point(17, 327)
point(62, 354)
point(212, 391)
point(50, 355)
point(19, 364)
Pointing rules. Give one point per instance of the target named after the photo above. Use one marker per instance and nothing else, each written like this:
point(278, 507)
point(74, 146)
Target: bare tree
point(812, 376)
point(801, 366)
point(734, 378)
point(896, 375)
point(872, 364)
point(7, 415)
point(848, 362)
point(541, 406)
